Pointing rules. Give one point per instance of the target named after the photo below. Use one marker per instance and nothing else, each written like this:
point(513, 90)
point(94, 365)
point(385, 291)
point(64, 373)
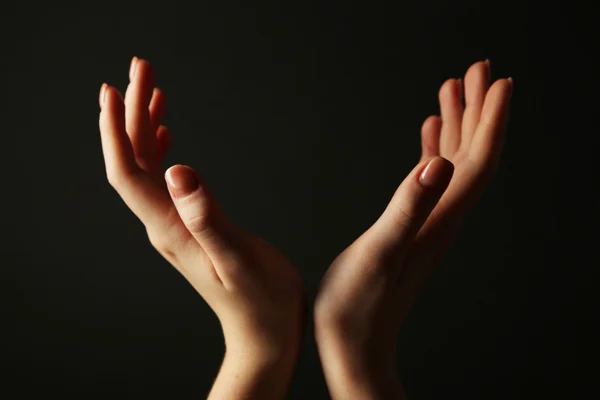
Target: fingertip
point(163, 140)
point(157, 107)
point(430, 136)
point(182, 180)
point(164, 136)
point(163, 133)
point(109, 92)
point(431, 122)
point(447, 90)
point(157, 93)
point(102, 96)
point(157, 97)
point(144, 69)
point(500, 93)
point(171, 172)
point(437, 173)
point(132, 67)
point(478, 66)
point(112, 108)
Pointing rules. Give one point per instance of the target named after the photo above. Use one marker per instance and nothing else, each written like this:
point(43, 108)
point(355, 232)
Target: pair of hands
point(254, 289)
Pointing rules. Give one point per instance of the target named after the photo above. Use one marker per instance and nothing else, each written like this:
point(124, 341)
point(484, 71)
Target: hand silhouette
point(368, 290)
point(253, 289)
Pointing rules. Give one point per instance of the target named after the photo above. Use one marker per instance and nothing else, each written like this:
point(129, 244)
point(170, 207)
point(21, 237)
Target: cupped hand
point(368, 290)
point(253, 289)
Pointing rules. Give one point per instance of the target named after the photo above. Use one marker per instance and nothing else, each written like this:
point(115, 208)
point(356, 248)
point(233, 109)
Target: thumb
point(199, 211)
point(411, 205)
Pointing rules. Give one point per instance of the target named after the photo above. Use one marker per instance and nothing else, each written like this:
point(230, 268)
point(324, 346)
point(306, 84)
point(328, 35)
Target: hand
point(253, 289)
point(368, 290)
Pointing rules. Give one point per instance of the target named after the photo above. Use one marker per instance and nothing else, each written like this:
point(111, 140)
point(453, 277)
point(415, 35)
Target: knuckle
point(483, 166)
point(155, 241)
point(404, 215)
point(199, 224)
point(119, 176)
point(115, 179)
point(164, 244)
point(159, 242)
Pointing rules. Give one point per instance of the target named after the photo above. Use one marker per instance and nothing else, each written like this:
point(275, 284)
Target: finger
point(441, 228)
point(116, 147)
point(128, 91)
point(163, 143)
point(451, 110)
point(488, 140)
point(137, 102)
point(158, 107)
point(410, 206)
point(138, 191)
point(477, 81)
point(202, 216)
point(430, 137)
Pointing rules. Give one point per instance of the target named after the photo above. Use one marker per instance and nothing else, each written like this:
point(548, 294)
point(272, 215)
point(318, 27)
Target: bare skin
point(253, 289)
point(369, 288)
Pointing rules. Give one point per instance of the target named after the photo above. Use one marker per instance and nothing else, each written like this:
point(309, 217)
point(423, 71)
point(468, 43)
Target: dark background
point(303, 118)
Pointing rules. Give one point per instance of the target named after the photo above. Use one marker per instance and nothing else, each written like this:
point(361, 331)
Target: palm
point(471, 137)
point(230, 268)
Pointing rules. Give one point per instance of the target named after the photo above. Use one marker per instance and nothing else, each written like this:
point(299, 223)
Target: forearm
point(343, 384)
point(254, 377)
point(347, 382)
point(350, 375)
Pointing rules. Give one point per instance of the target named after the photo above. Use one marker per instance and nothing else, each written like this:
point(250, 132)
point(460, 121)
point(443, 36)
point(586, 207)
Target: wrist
point(353, 371)
point(255, 372)
point(360, 381)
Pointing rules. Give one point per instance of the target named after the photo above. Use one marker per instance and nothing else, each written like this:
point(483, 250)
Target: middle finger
point(137, 102)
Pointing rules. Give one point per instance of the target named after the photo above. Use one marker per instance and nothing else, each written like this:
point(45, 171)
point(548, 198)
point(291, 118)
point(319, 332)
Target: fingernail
point(134, 61)
point(436, 172)
point(181, 181)
point(102, 94)
point(510, 83)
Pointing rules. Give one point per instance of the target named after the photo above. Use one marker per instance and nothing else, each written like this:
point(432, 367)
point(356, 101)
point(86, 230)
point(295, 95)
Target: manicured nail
point(436, 172)
point(182, 181)
point(132, 67)
point(102, 94)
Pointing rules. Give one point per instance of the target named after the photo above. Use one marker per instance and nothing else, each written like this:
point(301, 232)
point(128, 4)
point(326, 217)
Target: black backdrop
point(303, 118)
